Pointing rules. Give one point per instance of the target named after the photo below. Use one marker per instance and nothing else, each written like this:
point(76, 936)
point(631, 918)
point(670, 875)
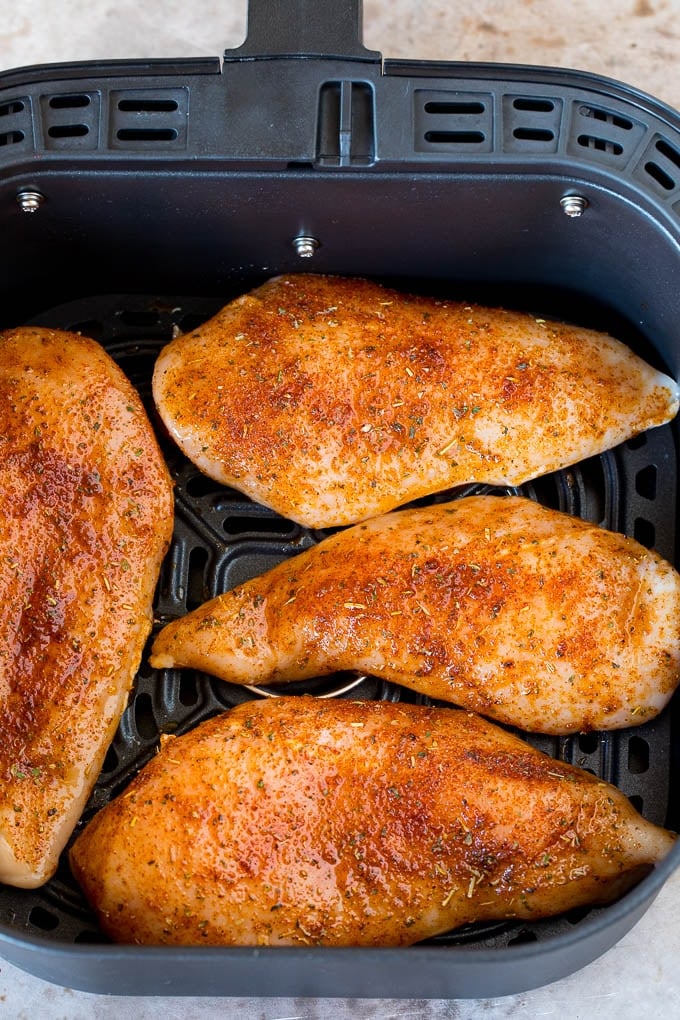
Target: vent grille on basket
point(447, 121)
point(604, 135)
point(531, 123)
point(15, 122)
point(660, 164)
point(143, 118)
point(71, 120)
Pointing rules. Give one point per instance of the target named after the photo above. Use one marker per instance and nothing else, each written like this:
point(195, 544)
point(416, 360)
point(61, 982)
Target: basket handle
point(303, 28)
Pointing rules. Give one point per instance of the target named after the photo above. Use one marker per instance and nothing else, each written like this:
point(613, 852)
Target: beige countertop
point(636, 41)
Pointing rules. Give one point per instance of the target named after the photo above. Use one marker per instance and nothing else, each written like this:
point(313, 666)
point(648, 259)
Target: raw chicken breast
point(528, 615)
point(85, 518)
point(301, 821)
point(333, 400)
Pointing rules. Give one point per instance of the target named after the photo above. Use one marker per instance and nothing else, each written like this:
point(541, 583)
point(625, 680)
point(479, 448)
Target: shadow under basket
point(136, 198)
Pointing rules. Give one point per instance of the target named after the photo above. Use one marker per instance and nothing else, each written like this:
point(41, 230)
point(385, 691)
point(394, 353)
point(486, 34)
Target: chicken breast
point(332, 400)
point(300, 821)
point(525, 614)
point(85, 518)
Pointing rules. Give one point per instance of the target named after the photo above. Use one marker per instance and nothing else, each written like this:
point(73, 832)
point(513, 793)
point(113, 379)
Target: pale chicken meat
point(86, 515)
point(333, 399)
point(498, 604)
point(299, 821)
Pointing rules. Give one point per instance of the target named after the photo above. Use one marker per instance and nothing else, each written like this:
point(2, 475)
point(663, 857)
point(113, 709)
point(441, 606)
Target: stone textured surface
point(635, 41)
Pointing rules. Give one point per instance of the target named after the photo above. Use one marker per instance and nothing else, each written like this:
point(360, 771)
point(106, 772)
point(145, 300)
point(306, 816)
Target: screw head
point(574, 205)
point(29, 201)
point(305, 246)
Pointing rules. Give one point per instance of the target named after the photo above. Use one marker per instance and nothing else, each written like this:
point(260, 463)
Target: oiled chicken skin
point(299, 821)
point(505, 607)
point(333, 399)
point(86, 516)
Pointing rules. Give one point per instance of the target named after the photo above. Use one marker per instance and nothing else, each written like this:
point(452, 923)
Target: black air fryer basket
point(136, 198)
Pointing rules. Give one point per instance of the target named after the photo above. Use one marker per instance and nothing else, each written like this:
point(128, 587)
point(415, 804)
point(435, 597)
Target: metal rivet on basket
point(305, 246)
point(30, 201)
point(574, 205)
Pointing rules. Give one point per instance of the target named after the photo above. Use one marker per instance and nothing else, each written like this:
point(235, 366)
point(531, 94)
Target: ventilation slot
point(533, 134)
point(454, 137)
point(638, 755)
point(71, 120)
point(146, 135)
point(11, 137)
point(601, 144)
point(346, 124)
point(199, 486)
point(458, 109)
point(69, 102)
point(531, 123)
point(644, 532)
point(147, 105)
point(447, 122)
point(142, 119)
point(588, 743)
point(43, 919)
point(660, 176)
point(188, 693)
point(534, 105)
point(645, 482)
point(145, 722)
point(9, 109)
point(197, 591)
point(68, 131)
point(604, 136)
point(236, 526)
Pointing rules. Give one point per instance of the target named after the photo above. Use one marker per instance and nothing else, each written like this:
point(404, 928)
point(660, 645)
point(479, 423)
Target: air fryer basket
point(137, 198)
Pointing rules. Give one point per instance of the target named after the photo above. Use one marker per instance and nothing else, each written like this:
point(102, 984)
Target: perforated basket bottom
point(222, 539)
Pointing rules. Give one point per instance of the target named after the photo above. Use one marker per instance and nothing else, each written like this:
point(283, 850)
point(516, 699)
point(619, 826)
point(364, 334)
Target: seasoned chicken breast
point(333, 400)
point(301, 821)
point(85, 518)
point(525, 614)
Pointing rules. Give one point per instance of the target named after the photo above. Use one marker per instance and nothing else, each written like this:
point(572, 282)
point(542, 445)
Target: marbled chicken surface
point(85, 518)
point(334, 399)
point(500, 605)
point(298, 821)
